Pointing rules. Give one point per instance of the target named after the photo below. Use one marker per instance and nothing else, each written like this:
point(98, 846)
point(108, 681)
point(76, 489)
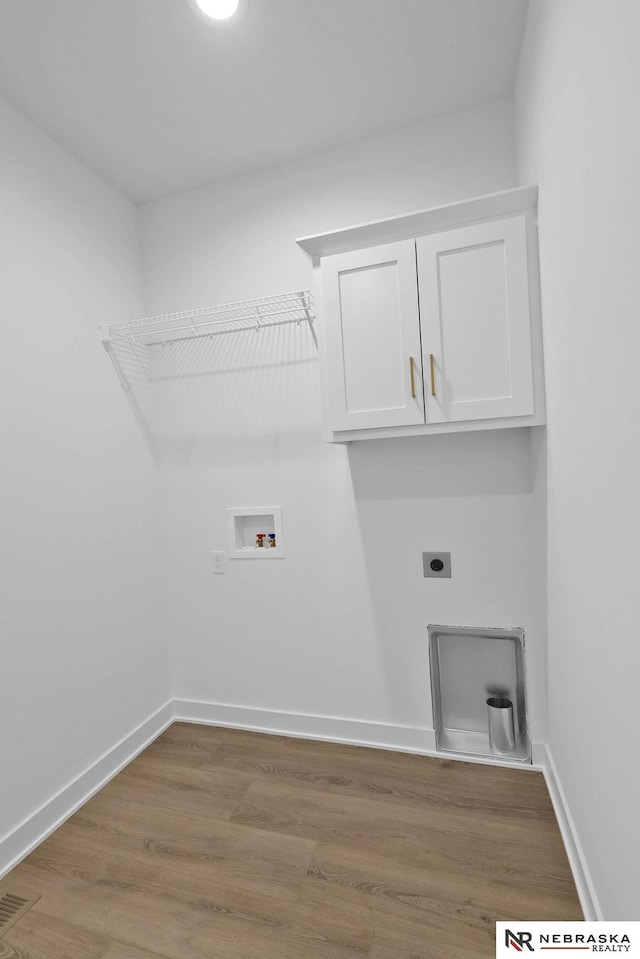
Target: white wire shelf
point(246, 315)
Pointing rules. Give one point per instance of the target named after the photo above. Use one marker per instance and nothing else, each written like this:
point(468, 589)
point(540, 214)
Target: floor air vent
point(12, 908)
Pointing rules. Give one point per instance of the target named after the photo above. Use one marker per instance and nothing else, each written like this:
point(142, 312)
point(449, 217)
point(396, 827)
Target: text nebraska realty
point(594, 942)
point(601, 942)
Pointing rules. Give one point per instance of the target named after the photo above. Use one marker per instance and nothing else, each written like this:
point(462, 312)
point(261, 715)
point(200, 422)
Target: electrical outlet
point(218, 564)
point(437, 565)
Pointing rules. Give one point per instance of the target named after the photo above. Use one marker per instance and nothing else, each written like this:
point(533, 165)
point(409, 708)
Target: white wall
point(339, 627)
point(82, 655)
point(579, 138)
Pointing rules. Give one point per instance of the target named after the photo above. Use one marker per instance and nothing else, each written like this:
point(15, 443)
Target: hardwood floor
point(224, 844)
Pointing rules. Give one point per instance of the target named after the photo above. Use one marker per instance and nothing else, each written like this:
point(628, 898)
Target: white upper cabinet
point(476, 329)
point(436, 328)
point(372, 337)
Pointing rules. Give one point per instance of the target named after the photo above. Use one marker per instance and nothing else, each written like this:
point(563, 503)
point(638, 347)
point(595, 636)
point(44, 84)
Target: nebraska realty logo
point(621, 938)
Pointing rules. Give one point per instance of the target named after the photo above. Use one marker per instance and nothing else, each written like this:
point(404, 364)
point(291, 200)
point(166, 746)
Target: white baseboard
point(420, 740)
point(584, 883)
point(409, 739)
point(33, 830)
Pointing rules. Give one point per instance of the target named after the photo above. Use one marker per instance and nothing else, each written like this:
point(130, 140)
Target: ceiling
point(157, 101)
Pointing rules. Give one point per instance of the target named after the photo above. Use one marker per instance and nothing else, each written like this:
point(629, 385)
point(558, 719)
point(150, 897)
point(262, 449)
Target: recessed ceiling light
point(218, 9)
point(217, 12)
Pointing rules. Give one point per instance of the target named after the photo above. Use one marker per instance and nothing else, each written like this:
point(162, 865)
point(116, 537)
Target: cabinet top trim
point(424, 221)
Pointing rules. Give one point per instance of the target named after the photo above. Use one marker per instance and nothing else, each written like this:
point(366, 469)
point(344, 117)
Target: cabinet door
point(474, 311)
point(372, 337)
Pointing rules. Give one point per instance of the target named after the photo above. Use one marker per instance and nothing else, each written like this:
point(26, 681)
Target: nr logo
point(518, 940)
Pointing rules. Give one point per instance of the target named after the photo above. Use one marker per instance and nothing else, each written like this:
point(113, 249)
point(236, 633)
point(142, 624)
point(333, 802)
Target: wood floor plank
point(236, 845)
point(170, 928)
point(187, 742)
point(327, 916)
point(399, 938)
point(323, 922)
point(209, 849)
point(102, 868)
point(408, 891)
point(498, 793)
point(430, 838)
point(30, 938)
point(123, 950)
point(223, 921)
point(154, 782)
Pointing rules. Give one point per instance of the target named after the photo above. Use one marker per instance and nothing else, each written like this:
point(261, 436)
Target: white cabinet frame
point(522, 404)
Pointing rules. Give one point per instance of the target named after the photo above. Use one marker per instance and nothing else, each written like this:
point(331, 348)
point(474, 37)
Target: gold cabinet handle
point(432, 371)
point(412, 376)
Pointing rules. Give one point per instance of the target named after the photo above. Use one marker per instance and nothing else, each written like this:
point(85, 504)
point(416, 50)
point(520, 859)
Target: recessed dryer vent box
point(470, 665)
point(248, 525)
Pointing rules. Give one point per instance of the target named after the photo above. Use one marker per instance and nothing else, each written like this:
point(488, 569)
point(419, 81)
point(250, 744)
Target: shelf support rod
point(305, 306)
point(133, 402)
